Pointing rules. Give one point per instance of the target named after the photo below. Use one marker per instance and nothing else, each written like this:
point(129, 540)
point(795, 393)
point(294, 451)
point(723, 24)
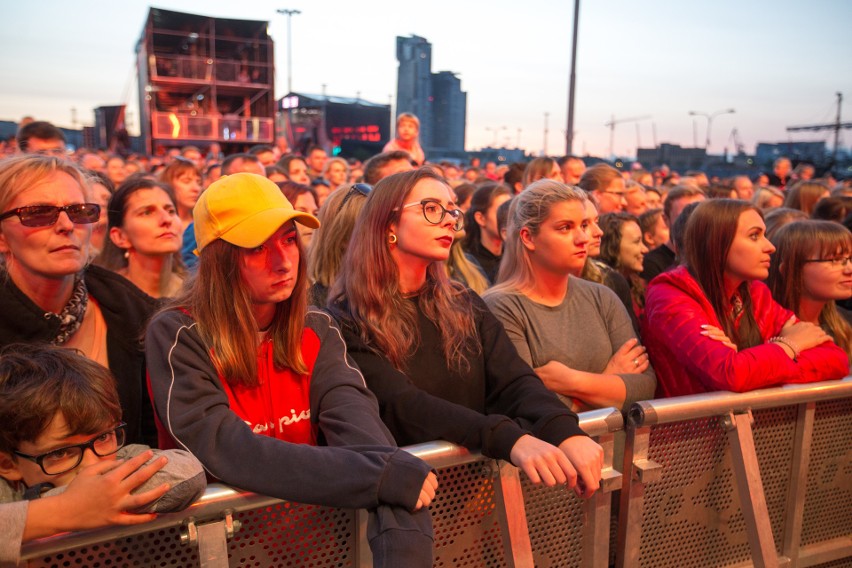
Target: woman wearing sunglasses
point(337, 218)
point(49, 292)
point(439, 362)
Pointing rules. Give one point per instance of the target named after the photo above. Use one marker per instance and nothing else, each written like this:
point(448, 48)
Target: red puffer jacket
point(687, 362)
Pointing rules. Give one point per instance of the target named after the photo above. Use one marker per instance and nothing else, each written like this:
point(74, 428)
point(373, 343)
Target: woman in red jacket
point(713, 325)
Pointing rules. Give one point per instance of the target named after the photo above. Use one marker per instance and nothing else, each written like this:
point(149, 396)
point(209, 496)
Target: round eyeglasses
point(434, 213)
point(61, 460)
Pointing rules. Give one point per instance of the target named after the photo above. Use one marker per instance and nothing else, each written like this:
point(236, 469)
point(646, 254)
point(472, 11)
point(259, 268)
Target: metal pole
point(837, 128)
point(569, 131)
point(544, 150)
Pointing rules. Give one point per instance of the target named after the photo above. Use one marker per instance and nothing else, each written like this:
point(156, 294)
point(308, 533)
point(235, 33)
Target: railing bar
point(802, 441)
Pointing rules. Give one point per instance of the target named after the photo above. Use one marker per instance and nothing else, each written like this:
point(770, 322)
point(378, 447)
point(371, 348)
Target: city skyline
point(634, 59)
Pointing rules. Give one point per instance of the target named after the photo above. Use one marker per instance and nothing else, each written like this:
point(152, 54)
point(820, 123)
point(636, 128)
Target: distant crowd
point(309, 314)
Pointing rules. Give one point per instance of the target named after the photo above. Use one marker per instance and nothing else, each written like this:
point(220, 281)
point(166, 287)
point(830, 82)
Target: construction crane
point(611, 124)
point(738, 145)
point(836, 126)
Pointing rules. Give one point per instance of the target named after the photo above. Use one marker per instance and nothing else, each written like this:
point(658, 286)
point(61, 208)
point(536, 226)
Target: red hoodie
point(687, 362)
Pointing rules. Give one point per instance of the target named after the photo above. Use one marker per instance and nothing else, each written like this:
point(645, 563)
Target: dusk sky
point(778, 63)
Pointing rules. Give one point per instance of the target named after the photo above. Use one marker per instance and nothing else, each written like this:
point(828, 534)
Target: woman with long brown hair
point(712, 324)
point(812, 269)
point(242, 372)
point(439, 362)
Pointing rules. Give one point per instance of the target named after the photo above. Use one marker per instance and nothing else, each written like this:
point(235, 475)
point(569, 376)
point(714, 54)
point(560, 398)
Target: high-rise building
point(414, 82)
point(449, 111)
point(435, 98)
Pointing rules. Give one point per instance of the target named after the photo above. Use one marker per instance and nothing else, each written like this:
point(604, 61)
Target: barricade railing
point(481, 517)
point(721, 479)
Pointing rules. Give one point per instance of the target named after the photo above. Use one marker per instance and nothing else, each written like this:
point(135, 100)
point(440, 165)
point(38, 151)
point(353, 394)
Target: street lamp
point(710, 118)
point(289, 14)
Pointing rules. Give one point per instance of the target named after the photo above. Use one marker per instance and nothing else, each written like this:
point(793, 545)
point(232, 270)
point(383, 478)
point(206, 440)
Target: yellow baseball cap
point(245, 210)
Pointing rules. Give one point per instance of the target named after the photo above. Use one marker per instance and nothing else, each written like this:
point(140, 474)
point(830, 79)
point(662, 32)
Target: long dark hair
point(709, 233)
point(111, 256)
point(369, 281)
point(481, 202)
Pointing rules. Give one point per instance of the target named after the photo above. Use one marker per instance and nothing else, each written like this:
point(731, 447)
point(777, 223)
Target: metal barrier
point(483, 515)
point(721, 479)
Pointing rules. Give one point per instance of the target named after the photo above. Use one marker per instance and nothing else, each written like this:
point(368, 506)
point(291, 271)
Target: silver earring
point(392, 239)
point(126, 253)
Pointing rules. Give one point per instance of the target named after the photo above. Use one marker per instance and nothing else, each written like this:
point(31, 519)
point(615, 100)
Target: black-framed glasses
point(434, 212)
point(362, 188)
point(44, 215)
point(838, 262)
point(61, 460)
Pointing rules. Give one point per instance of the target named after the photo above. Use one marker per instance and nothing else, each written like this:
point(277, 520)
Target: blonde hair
point(337, 219)
point(529, 209)
point(460, 268)
point(20, 173)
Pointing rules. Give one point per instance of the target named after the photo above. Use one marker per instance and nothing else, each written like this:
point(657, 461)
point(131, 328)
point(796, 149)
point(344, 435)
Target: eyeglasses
point(838, 262)
point(362, 188)
point(44, 215)
point(434, 213)
point(61, 460)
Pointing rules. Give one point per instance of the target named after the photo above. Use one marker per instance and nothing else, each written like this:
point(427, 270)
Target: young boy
point(61, 419)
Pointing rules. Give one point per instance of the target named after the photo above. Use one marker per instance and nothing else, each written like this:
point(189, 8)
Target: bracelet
point(788, 343)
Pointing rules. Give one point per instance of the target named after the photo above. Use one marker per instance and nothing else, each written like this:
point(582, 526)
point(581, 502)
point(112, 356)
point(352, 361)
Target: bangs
point(834, 243)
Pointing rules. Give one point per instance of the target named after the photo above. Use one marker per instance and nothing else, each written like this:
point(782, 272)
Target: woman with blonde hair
point(576, 334)
point(337, 219)
point(439, 362)
point(50, 292)
point(336, 172)
point(243, 372)
point(812, 269)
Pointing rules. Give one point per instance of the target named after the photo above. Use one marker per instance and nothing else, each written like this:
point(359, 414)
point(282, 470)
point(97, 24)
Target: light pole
point(569, 131)
point(710, 118)
point(289, 14)
point(291, 140)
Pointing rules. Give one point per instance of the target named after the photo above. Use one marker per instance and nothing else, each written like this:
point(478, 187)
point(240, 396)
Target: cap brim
point(256, 230)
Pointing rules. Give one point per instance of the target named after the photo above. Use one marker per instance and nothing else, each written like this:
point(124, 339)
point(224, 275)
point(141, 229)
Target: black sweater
point(487, 408)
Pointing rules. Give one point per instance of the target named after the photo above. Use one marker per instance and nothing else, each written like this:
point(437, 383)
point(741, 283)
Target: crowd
point(307, 315)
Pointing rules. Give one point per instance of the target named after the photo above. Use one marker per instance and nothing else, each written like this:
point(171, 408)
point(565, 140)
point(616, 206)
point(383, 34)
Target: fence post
point(513, 517)
point(750, 486)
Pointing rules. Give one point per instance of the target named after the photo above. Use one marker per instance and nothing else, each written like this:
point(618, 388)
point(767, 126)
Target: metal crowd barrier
point(481, 517)
point(720, 479)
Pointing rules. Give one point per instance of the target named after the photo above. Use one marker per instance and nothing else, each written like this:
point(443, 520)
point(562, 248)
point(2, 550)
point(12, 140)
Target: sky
point(777, 63)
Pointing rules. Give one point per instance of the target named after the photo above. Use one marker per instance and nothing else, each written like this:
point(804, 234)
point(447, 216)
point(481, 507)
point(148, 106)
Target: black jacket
point(126, 310)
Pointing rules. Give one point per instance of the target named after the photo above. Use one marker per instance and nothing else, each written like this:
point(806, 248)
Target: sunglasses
point(362, 188)
point(44, 215)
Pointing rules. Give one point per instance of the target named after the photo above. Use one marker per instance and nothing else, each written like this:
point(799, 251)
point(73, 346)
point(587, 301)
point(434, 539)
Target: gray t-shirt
point(583, 332)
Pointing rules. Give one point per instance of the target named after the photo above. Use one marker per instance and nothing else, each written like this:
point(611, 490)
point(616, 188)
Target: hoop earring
point(392, 239)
